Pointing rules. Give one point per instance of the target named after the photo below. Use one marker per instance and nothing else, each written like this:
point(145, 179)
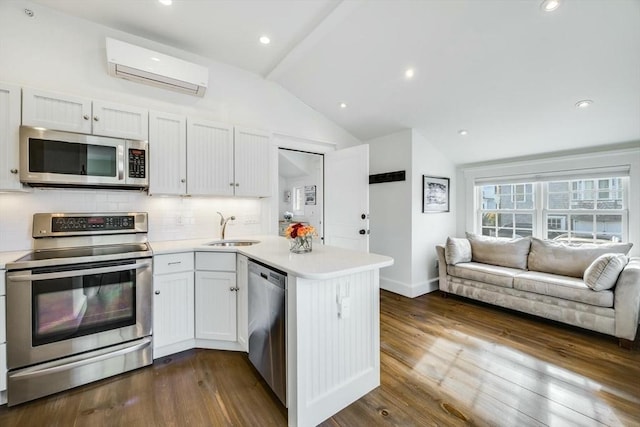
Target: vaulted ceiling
point(507, 72)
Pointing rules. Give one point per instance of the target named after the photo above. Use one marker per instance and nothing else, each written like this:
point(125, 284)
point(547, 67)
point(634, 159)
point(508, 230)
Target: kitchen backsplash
point(170, 218)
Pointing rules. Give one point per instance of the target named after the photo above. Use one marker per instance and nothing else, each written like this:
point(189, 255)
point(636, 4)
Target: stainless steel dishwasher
point(267, 326)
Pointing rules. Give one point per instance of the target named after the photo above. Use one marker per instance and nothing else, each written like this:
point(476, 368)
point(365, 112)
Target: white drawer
point(216, 261)
point(172, 263)
point(3, 287)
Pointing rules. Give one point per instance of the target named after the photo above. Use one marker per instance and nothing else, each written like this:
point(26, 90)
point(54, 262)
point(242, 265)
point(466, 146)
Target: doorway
point(300, 189)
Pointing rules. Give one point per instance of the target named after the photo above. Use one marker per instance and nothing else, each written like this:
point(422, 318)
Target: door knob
point(362, 231)
point(157, 292)
point(96, 118)
point(86, 117)
point(14, 171)
point(363, 216)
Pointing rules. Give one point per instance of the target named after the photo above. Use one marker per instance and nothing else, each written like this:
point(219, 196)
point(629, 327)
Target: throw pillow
point(500, 251)
point(566, 259)
point(603, 273)
point(457, 250)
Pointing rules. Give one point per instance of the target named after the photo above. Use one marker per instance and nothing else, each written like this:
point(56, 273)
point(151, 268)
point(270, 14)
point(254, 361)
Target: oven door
point(54, 312)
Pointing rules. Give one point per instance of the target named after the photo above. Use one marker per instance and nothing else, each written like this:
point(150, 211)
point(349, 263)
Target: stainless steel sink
point(233, 243)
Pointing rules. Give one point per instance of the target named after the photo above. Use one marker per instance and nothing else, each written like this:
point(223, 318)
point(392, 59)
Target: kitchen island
point(333, 321)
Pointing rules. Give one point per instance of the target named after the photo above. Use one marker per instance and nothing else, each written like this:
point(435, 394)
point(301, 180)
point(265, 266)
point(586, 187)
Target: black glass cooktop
point(85, 251)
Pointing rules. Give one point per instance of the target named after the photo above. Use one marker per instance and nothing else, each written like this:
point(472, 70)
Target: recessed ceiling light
point(165, 2)
point(153, 58)
point(584, 103)
point(409, 73)
point(265, 40)
point(463, 132)
point(343, 105)
point(550, 5)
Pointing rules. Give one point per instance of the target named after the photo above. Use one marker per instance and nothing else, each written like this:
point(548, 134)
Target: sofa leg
point(626, 344)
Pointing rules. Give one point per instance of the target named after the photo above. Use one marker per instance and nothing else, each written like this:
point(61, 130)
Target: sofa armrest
point(442, 268)
point(627, 300)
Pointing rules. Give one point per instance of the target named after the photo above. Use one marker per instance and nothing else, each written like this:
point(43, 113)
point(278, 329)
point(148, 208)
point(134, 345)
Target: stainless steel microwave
point(65, 159)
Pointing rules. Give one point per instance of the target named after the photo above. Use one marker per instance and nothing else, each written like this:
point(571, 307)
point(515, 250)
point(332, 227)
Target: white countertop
point(323, 262)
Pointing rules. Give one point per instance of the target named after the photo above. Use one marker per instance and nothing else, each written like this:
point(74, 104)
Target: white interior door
point(346, 197)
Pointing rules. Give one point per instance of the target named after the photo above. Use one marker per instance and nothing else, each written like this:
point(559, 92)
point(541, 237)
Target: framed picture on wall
point(435, 194)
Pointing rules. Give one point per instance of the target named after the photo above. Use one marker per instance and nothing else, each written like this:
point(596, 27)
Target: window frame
point(541, 211)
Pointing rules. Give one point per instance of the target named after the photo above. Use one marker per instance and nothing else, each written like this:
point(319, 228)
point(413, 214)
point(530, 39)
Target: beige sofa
point(595, 287)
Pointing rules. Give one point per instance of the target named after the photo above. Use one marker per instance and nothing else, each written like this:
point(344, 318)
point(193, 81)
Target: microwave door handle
point(75, 273)
point(121, 150)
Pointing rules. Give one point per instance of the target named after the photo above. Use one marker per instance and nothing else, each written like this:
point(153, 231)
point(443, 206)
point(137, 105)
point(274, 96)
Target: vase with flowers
point(301, 237)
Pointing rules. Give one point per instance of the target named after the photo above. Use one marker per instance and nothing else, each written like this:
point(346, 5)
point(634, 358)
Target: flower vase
point(300, 245)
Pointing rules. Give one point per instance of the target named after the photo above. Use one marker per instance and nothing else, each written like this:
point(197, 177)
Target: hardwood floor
point(445, 361)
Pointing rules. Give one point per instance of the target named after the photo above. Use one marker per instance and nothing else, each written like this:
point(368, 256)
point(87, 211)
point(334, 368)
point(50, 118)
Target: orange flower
point(300, 230)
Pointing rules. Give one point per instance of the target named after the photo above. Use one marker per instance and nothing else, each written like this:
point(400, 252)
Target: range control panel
point(91, 223)
point(58, 224)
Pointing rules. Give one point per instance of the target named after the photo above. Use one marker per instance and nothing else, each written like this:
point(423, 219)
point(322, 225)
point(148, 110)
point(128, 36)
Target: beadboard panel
point(338, 353)
point(252, 162)
point(210, 158)
point(120, 121)
point(167, 154)
point(56, 111)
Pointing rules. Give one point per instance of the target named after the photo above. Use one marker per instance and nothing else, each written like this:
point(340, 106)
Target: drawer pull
point(174, 263)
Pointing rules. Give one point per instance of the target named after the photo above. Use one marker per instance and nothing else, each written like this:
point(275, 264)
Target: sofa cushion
point(569, 288)
point(457, 250)
point(566, 259)
point(603, 273)
point(510, 253)
point(495, 275)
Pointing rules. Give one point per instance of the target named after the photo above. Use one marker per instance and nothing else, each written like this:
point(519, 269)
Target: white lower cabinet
point(173, 304)
point(216, 300)
point(242, 284)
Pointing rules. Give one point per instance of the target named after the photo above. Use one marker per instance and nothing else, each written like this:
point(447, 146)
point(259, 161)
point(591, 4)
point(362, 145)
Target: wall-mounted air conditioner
point(142, 65)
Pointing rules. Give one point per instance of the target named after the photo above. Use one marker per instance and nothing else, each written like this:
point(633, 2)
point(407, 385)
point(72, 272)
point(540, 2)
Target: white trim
point(407, 290)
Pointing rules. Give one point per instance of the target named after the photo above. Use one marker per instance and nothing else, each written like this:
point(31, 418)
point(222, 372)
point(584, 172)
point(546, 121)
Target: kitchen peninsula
point(332, 320)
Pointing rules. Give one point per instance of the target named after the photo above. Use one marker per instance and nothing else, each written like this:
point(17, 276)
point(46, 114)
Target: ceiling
point(507, 72)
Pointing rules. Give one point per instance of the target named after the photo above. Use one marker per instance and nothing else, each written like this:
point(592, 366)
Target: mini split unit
point(156, 69)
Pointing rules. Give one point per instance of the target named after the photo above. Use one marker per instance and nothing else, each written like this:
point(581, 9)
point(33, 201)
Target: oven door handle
point(75, 273)
point(58, 366)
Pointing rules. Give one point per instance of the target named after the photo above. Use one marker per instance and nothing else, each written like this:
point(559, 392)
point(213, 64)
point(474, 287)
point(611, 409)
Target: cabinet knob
point(86, 117)
point(231, 184)
point(14, 171)
point(237, 185)
point(96, 118)
point(232, 289)
point(183, 180)
point(157, 292)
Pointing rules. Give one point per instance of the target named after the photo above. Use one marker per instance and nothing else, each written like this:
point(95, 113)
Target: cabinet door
point(56, 111)
point(251, 160)
point(209, 158)
point(216, 305)
point(9, 137)
point(172, 308)
point(120, 121)
point(242, 283)
point(167, 154)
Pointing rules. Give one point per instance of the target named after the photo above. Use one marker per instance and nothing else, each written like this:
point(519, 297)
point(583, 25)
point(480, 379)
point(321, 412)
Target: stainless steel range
point(79, 305)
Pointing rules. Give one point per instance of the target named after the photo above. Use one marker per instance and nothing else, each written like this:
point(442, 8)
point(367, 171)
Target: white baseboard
point(407, 290)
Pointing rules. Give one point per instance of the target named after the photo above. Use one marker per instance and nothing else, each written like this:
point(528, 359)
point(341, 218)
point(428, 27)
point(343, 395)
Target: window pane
point(558, 200)
point(489, 218)
point(558, 186)
point(609, 227)
point(488, 232)
point(505, 202)
point(582, 224)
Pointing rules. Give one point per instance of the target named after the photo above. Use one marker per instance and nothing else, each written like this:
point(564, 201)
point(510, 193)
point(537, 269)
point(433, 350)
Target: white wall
point(60, 53)
point(398, 226)
point(429, 229)
point(625, 155)
point(390, 208)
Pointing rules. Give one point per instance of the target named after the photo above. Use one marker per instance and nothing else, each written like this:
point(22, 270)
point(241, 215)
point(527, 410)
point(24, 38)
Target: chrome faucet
point(223, 223)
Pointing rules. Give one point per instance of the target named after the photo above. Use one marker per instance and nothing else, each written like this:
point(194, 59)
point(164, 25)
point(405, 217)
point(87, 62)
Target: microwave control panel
point(137, 162)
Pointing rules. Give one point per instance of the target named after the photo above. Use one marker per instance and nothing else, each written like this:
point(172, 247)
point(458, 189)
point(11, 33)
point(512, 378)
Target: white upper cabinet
point(76, 114)
point(251, 161)
point(9, 137)
point(120, 121)
point(209, 158)
point(167, 154)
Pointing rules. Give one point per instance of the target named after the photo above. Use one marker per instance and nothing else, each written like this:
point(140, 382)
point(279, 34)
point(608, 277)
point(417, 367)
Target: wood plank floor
point(445, 362)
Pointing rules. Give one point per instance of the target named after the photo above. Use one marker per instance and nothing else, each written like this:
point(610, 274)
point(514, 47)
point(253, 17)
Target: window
point(507, 210)
point(586, 210)
point(573, 210)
